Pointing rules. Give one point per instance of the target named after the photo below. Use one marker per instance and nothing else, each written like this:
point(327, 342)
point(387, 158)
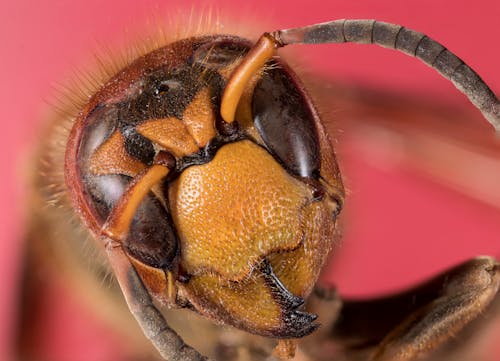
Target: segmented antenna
point(395, 37)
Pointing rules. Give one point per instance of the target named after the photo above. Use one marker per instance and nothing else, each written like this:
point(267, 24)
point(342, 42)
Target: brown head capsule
point(221, 218)
point(213, 186)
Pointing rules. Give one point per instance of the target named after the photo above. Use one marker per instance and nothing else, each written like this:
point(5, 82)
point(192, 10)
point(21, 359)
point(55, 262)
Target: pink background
point(421, 227)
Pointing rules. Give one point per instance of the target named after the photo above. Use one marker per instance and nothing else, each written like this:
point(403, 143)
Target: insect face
point(233, 220)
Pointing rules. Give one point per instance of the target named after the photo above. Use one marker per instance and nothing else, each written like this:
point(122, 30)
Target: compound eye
point(106, 167)
point(285, 120)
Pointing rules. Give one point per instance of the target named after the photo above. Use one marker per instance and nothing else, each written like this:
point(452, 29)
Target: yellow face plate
point(236, 209)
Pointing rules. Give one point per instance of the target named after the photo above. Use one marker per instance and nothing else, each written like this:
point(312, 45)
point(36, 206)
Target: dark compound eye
point(285, 121)
point(152, 239)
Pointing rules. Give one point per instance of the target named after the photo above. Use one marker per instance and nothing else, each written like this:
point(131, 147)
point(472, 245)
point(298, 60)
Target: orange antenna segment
point(118, 224)
point(260, 53)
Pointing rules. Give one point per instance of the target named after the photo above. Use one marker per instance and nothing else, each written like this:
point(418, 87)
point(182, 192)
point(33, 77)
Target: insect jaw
point(297, 323)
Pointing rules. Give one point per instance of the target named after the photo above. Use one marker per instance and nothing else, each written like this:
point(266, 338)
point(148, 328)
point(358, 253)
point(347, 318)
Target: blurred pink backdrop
point(404, 227)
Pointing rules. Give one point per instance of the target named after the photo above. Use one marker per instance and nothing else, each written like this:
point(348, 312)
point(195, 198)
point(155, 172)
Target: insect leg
point(412, 324)
point(155, 327)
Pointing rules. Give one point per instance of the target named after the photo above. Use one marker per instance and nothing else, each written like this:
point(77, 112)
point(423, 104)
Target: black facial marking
point(163, 94)
point(286, 124)
point(137, 145)
point(206, 154)
point(297, 323)
point(168, 94)
point(283, 296)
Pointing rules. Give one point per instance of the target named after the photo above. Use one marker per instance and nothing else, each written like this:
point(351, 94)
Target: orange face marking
point(171, 134)
point(199, 118)
point(231, 212)
point(112, 158)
